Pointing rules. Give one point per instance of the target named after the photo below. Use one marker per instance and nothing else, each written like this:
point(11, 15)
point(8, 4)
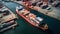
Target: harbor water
point(25, 28)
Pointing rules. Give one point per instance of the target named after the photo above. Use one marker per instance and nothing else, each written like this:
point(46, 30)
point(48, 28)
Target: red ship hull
point(27, 19)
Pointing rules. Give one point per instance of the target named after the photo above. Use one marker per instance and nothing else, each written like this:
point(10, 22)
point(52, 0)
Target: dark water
point(25, 28)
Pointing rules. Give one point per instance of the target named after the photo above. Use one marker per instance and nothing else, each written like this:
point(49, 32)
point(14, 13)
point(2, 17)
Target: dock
point(6, 18)
point(9, 27)
point(54, 12)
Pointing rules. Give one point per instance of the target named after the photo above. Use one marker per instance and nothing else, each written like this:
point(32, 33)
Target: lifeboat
point(31, 18)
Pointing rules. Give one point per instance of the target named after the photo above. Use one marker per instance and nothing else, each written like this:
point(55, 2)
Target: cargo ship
point(7, 18)
point(31, 18)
